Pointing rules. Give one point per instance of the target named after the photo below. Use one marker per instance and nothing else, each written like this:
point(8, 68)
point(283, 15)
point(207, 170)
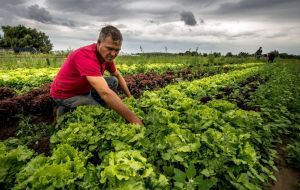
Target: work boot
point(61, 110)
point(58, 111)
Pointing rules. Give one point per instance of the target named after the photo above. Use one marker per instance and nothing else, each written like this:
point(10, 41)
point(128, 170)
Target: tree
point(229, 54)
point(1, 41)
point(23, 37)
point(276, 52)
point(243, 54)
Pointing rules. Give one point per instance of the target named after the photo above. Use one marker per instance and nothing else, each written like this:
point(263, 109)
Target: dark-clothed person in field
point(271, 57)
point(258, 53)
point(81, 81)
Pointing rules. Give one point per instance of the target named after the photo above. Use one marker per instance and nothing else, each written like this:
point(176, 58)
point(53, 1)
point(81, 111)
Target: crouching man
point(81, 81)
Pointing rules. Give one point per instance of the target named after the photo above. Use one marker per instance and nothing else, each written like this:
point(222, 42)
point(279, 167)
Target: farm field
point(210, 123)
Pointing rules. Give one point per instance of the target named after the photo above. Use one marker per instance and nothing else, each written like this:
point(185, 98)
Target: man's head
point(109, 42)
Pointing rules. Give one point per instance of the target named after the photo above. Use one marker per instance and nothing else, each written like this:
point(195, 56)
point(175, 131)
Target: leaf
point(179, 175)
point(178, 158)
point(205, 172)
point(166, 156)
point(191, 171)
point(244, 180)
point(205, 184)
point(168, 170)
point(273, 177)
point(179, 185)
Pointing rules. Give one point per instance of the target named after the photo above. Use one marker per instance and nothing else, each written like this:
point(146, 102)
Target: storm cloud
point(188, 18)
point(39, 14)
point(266, 9)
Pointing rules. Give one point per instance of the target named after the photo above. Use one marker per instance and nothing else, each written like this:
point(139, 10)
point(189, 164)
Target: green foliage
point(85, 137)
point(293, 153)
point(189, 180)
point(11, 161)
point(29, 133)
point(183, 145)
point(129, 170)
point(60, 171)
point(21, 36)
point(221, 105)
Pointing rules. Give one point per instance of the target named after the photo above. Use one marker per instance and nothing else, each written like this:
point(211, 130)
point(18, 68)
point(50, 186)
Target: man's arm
point(122, 83)
point(112, 99)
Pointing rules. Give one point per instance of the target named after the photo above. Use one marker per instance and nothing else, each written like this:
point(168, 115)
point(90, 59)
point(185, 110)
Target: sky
point(164, 25)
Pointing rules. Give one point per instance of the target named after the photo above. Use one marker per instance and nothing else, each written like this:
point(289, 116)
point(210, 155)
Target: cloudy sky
point(164, 25)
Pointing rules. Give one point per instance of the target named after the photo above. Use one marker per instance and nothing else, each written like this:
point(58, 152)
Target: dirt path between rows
point(287, 177)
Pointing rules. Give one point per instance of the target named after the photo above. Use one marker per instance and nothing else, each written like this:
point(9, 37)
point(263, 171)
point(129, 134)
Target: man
point(271, 57)
point(80, 80)
point(258, 53)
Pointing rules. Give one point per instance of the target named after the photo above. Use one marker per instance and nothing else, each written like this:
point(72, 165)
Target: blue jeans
point(92, 98)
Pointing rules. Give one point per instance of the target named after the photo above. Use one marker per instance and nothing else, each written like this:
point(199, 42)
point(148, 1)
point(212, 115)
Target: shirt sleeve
point(87, 65)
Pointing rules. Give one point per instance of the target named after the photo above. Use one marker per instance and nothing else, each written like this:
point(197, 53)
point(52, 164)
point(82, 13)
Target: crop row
point(23, 80)
point(38, 101)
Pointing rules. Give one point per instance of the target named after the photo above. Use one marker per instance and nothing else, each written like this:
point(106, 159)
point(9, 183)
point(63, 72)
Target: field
point(210, 123)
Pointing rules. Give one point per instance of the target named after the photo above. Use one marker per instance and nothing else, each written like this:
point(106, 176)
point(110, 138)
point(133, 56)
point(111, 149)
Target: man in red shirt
point(80, 80)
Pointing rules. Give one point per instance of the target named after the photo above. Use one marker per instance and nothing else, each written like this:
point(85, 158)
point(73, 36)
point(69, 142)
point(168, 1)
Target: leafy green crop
point(11, 161)
point(61, 170)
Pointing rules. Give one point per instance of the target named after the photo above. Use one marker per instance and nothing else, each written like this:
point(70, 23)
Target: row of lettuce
point(24, 79)
point(13, 61)
point(184, 144)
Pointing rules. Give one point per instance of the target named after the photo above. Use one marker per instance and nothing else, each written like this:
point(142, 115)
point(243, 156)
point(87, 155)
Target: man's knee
point(112, 82)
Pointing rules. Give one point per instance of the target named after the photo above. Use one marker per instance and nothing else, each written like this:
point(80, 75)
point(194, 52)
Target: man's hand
point(138, 121)
point(112, 99)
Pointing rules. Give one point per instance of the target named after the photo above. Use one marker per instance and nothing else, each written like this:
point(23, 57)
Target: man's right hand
point(112, 99)
point(138, 121)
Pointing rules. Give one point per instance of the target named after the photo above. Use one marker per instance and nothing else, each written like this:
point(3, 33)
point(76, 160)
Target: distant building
point(26, 49)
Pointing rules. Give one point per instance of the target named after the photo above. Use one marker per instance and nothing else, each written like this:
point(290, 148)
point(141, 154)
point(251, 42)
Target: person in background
point(271, 57)
point(258, 53)
point(81, 81)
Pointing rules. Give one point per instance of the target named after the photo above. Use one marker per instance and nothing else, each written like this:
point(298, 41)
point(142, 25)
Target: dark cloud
point(104, 9)
point(256, 4)
point(117, 9)
point(39, 14)
point(261, 8)
point(10, 10)
point(246, 34)
point(42, 15)
point(11, 2)
point(69, 23)
point(200, 3)
point(188, 18)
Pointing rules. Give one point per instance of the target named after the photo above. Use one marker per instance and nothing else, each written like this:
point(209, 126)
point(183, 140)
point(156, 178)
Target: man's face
point(109, 49)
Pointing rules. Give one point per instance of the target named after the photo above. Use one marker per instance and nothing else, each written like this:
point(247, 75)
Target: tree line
point(20, 38)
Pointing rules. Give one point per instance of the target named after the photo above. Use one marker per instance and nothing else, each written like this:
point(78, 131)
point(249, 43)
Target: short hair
point(112, 31)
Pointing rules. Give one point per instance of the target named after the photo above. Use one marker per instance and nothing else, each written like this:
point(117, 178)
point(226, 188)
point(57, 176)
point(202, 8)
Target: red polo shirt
point(71, 78)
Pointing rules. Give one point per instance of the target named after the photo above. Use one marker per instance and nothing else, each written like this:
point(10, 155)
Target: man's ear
point(98, 45)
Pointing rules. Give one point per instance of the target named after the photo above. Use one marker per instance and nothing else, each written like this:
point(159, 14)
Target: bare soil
point(8, 128)
point(287, 177)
